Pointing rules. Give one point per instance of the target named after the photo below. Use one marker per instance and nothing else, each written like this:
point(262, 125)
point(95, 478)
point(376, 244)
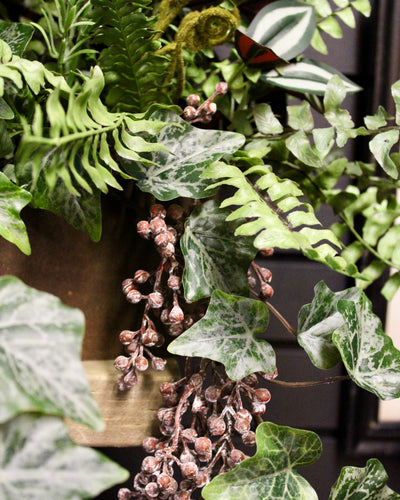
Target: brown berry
point(262, 395)
point(212, 393)
point(134, 296)
point(182, 495)
point(189, 113)
point(141, 363)
point(210, 108)
point(237, 456)
point(168, 250)
point(150, 465)
point(189, 435)
point(167, 483)
point(174, 282)
point(152, 490)
point(203, 445)
point(216, 425)
point(175, 212)
point(143, 229)
point(258, 408)
point(150, 337)
point(158, 364)
point(130, 379)
point(266, 274)
point(189, 470)
point(242, 425)
point(221, 88)
point(124, 494)
point(121, 362)
point(266, 290)
point(157, 225)
point(250, 380)
point(251, 279)
point(249, 438)
point(162, 239)
point(193, 100)
point(202, 478)
point(141, 276)
point(266, 252)
point(149, 444)
point(157, 210)
point(243, 413)
point(128, 285)
point(176, 315)
point(175, 329)
point(155, 300)
point(126, 336)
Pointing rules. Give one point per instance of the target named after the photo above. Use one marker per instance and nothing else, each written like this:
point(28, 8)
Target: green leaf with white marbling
point(227, 334)
point(17, 35)
point(271, 474)
point(39, 461)
point(12, 200)
point(176, 172)
point(214, 257)
point(363, 483)
point(367, 352)
point(40, 356)
point(318, 320)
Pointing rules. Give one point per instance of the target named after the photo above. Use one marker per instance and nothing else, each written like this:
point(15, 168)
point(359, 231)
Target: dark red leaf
point(254, 54)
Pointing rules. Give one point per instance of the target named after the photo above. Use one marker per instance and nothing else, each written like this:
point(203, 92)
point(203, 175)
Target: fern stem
point(365, 244)
point(60, 141)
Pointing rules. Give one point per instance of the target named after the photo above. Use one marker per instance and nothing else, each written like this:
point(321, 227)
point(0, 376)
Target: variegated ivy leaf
point(380, 147)
point(307, 76)
point(272, 472)
point(12, 200)
point(367, 352)
point(318, 320)
point(40, 356)
point(286, 27)
point(214, 257)
point(17, 35)
point(176, 172)
point(39, 461)
point(368, 483)
point(227, 334)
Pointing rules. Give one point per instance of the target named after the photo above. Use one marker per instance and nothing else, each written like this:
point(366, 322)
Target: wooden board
point(129, 416)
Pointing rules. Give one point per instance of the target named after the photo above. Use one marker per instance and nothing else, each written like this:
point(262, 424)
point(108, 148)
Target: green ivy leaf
point(368, 483)
point(380, 147)
point(40, 461)
point(12, 200)
point(271, 473)
point(367, 352)
point(17, 35)
point(266, 121)
point(40, 356)
point(318, 320)
point(176, 172)
point(214, 257)
point(226, 334)
point(286, 27)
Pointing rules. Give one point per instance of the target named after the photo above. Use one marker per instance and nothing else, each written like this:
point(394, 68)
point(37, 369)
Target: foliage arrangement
point(180, 98)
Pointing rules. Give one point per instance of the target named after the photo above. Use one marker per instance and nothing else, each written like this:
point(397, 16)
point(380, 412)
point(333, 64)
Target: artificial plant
point(179, 99)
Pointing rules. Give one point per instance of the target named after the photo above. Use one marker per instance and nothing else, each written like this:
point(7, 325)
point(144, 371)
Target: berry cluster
point(202, 414)
point(196, 112)
point(259, 278)
point(161, 300)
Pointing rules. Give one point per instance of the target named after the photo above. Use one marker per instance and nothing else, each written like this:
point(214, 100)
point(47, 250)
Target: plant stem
point(284, 322)
point(310, 383)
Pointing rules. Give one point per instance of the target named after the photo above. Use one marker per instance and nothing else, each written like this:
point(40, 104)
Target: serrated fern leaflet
point(275, 215)
point(128, 60)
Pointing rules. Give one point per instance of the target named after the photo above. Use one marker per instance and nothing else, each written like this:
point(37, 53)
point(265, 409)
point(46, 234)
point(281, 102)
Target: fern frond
point(275, 215)
point(328, 16)
point(133, 72)
point(22, 71)
point(82, 130)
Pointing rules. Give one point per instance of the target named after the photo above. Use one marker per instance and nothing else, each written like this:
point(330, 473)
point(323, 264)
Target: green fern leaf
point(275, 215)
point(133, 72)
point(84, 131)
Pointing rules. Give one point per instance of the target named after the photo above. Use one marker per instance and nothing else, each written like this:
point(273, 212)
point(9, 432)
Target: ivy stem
point(278, 315)
point(310, 383)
